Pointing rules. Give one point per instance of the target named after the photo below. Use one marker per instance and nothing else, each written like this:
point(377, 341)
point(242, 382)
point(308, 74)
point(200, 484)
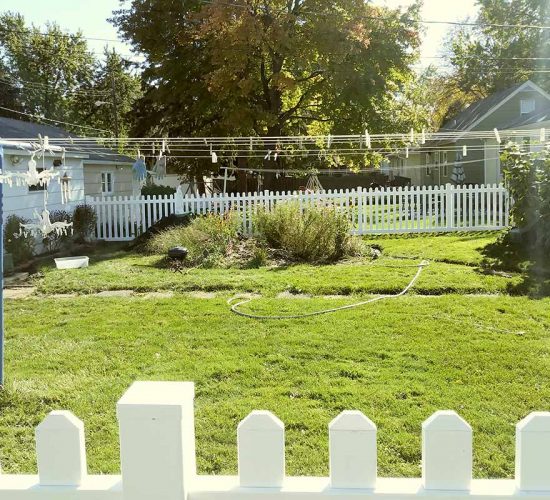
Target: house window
point(37, 187)
point(428, 163)
point(527, 106)
point(106, 182)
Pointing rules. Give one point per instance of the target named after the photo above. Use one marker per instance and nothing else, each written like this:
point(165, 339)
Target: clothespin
point(268, 155)
point(423, 141)
point(464, 150)
point(412, 135)
point(542, 135)
point(275, 156)
point(329, 141)
point(214, 157)
point(367, 139)
point(63, 151)
point(497, 135)
point(407, 152)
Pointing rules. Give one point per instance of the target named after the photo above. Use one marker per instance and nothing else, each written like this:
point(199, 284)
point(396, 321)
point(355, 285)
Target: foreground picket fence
point(157, 453)
point(373, 211)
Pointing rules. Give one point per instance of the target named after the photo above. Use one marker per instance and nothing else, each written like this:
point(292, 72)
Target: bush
point(317, 234)
point(84, 221)
point(19, 245)
point(157, 191)
point(53, 241)
point(208, 239)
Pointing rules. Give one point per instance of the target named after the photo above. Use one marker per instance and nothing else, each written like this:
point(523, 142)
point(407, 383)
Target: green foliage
point(157, 190)
point(19, 245)
point(528, 177)
point(207, 239)
point(316, 234)
point(488, 58)
point(53, 241)
point(84, 222)
point(272, 68)
point(47, 72)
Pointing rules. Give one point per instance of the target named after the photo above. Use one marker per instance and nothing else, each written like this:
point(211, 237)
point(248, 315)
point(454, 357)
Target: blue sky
point(91, 16)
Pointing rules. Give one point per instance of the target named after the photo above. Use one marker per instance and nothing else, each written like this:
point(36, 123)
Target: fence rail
point(158, 462)
point(374, 211)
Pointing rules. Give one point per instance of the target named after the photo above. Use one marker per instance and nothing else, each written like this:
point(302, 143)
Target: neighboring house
point(87, 171)
point(521, 107)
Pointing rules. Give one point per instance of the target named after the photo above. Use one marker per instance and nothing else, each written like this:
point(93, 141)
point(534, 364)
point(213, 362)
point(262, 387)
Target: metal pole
point(1, 273)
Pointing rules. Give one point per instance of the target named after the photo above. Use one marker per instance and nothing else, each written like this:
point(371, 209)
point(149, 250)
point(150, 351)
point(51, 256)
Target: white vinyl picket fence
point(374, 211)
point(158, 460)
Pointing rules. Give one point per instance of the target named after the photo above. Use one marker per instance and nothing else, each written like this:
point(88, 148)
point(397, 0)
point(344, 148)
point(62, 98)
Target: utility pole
point(115, 106)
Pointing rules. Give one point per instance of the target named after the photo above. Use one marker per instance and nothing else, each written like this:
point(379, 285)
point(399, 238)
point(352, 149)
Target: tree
point(52, 74)
point(51, 69)
point(494, 55)
point(269, 67)
point(116, 91)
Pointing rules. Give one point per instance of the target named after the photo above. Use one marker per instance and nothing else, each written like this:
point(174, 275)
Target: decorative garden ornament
point(45, 226)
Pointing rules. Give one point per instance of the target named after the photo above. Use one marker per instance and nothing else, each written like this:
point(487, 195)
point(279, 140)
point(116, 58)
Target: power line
point(54, 121)
point(43, 86)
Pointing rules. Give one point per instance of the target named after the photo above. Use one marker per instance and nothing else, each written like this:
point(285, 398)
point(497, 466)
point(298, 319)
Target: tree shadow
point(519, 253)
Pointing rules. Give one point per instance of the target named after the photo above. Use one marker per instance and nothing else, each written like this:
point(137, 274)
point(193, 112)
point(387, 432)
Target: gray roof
point(476, 110)
point(18, 129)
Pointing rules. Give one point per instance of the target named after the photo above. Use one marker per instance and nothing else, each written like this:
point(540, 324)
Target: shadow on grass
point(521, 255)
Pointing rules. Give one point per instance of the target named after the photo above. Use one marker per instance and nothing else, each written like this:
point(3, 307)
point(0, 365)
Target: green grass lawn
point(397, 360)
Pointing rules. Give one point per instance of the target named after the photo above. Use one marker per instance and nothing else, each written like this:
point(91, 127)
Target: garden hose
point(234, 307)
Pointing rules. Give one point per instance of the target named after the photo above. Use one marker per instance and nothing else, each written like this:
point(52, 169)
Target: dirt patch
point(288, 295)
point(158, 295)
point(203, 295)
point(19, 293)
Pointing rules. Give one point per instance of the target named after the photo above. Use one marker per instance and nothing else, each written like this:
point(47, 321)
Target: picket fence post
point(449, 205)
point(446, 452)
point(352, 445)
point(60, 450)
point(157, 440)
point(533, 452)
point(261, 450)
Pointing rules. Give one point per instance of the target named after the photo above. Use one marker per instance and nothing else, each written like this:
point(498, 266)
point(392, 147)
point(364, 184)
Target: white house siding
point(20, 201)
point(123, 180)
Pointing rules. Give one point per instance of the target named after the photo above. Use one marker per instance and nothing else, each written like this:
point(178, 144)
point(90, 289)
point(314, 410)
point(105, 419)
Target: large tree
point(52, 74)
point(503, 48)
point(269, 67)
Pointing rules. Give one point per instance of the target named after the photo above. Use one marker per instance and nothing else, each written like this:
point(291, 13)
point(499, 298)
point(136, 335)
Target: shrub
point(157, 190)
point(84, 221)
point(207, 239)
point(53, 241)
point(19, 245)
point(317, 234)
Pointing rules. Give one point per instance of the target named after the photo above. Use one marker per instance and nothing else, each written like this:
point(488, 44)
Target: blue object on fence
point(140, 169)
point(1, 273)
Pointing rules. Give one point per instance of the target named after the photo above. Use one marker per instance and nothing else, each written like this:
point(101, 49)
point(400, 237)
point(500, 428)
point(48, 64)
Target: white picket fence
point(158, 461)
point(390, 210)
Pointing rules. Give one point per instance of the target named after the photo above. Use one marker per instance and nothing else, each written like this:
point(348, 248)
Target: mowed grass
point(397, 361)
point(485, 356)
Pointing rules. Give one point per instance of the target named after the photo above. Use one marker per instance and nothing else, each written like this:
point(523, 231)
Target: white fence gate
point(374, 211)
point(158, 461)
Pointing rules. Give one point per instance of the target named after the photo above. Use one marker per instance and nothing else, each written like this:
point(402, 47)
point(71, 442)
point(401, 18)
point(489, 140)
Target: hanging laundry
point(139, 169)
point(159, 169)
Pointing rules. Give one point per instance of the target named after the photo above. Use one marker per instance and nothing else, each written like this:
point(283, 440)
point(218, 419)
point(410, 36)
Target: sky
point(91, 17)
